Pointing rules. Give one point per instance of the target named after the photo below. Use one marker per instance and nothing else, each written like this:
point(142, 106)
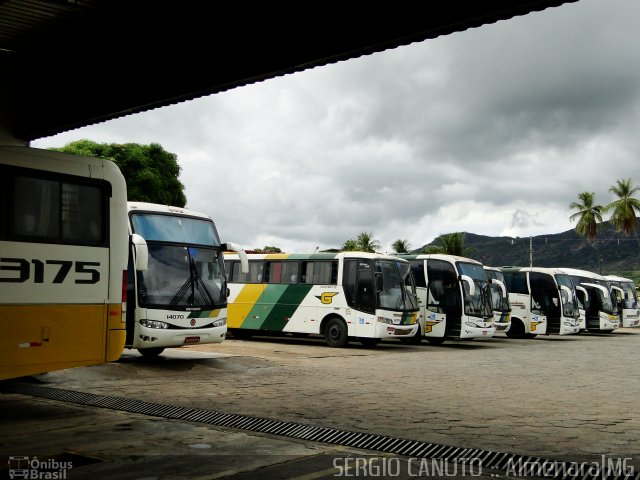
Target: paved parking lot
point(567, 398)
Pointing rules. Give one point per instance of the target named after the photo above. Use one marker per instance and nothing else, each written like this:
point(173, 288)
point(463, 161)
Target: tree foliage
point(588, 215)
point(269, 249)
point(401, 246)
point(450, 244)
point(150, 171)
point(625, 209)
point(365, 242)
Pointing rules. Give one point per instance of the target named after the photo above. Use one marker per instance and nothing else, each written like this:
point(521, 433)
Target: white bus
point(545, 293)
point(63, 261)
point(177, 288)
point(499, 299)
point(454, 297)
point(594, 292)
point(341, 296)
point(624, 289)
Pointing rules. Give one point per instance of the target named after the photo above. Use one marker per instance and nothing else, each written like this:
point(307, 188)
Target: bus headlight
point(388, 321)
point(153, 324)
point(473, 325)
point(221, 322)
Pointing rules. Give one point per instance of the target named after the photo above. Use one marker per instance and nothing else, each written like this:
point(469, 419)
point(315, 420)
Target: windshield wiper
point(192, 283)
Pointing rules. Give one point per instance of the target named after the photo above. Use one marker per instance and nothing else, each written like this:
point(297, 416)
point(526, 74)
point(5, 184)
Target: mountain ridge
point(619, 255)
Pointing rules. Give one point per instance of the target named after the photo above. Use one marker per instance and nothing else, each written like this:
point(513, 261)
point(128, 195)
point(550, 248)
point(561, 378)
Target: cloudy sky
point(493, 131)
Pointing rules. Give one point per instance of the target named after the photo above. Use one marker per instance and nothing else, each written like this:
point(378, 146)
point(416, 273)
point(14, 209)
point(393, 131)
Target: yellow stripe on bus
point(54, 337)
point(242, 305)
point(276, 256)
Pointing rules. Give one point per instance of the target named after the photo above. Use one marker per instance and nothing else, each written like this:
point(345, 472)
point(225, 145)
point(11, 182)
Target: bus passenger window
point(320, 273)
point(81, 213)
point(289, 272)
point(36, 205)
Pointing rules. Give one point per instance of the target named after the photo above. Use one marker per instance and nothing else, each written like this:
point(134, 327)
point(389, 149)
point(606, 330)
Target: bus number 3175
point(57, 271)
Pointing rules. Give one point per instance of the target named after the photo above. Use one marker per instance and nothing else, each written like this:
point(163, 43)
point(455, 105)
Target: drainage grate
point(498, 461)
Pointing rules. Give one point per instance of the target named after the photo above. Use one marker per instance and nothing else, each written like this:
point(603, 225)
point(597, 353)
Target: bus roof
point(549, 270)
point(157, 208)
point(52, 161)
point(581, 273)
point(617, 278)
point(440, 256)
point(316, 256)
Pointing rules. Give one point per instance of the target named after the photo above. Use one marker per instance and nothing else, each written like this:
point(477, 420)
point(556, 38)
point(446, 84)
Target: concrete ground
point(569, 398)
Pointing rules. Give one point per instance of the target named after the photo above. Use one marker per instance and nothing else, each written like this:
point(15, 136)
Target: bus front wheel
point(335, 333)
point(516, 330)
point(151, 352)
point(435, 340)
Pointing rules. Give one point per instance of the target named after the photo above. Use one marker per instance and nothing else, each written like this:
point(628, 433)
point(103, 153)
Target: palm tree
point(450, 244)
point(589, 216)
point(367, 243)
point(401, 246)
point(625, 208)
point(350, 246)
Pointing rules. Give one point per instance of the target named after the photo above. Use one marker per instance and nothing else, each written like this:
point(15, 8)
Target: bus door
point(444, 300)
point(545, 294)
point(359, 288)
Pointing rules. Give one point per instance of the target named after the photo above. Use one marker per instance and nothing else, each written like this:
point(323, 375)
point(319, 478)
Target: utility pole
point(531, 251)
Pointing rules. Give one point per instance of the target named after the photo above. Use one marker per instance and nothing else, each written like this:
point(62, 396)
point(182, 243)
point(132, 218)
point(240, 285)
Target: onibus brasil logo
point(32, 468)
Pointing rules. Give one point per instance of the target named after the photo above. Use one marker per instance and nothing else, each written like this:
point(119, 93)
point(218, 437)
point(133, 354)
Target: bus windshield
point(499, 302)
point(630, 299)
point(478, 304)
point(607, 303)
point(569, 300)
point(184, 277)
point(398, 288)
point(175, 229)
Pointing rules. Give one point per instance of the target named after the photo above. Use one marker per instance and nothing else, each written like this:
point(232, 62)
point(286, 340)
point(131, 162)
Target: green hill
point(619, 255)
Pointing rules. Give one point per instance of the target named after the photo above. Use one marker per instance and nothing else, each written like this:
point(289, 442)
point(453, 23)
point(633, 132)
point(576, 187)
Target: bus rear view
point(63, 259)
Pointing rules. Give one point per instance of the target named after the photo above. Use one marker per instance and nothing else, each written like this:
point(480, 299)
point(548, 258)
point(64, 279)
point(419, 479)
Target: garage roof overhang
point(71, 63)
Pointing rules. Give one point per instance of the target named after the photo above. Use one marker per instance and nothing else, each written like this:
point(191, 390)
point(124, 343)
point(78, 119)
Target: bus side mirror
point(244, 260)
point(469, 281)
point(141, 252)
point(566, 289)
point(503, 288)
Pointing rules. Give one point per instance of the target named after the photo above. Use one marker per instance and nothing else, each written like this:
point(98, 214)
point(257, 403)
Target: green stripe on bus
point(406, 318)
point(263, 306)
point(289, 302)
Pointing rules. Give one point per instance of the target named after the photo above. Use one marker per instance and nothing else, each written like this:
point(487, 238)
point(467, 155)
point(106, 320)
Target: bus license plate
point(191, 340)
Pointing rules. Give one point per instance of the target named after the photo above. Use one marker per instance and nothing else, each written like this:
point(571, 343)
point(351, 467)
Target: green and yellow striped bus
point(341, 296)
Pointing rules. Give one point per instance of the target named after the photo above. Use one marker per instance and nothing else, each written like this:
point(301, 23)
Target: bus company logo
point(428, 326)
point(32, 468)
point(327, 297)
point(193, 322)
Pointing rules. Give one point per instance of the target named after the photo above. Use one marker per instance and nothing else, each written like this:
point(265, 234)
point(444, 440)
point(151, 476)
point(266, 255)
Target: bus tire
point(530, 335)
point(336, 334)
point(151, 352)
point(369, 342)
point(516, 330)
point(435, 340)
